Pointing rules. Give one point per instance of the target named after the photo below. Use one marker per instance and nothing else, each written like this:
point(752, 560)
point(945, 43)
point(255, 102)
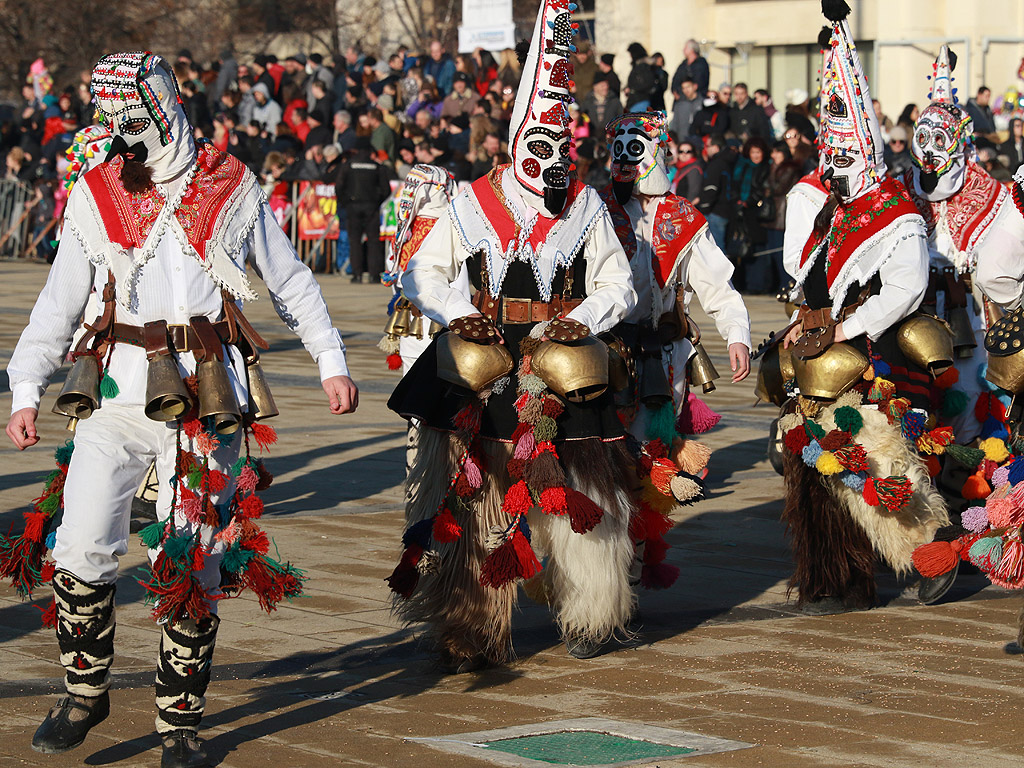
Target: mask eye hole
point(540, 149)
point(635, 148)
point(842, 161)
point(922, 137)
point(939, 140)
point(135, 127)
point(563, 149)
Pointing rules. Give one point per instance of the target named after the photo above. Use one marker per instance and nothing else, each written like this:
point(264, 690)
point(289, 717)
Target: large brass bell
point(217, 397)
point(993, 313)
point(471, 365)
point(830, 374)
point(927, 342)
point(702, 370)
point(577, 371)
point(261, 401)
point(167, 398)
point(80, 395)
point(775, 369)
point(964, 341)
point(655, 388)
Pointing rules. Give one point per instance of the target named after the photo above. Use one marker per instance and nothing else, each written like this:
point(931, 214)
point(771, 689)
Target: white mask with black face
point(939, 151)
point(637, 143)
point(137, 98)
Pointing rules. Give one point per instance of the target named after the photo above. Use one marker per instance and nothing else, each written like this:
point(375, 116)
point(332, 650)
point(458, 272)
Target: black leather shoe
point(826, 606)
point(59, 733)
point(934, 589)
point(586, 649)
point(183, 749)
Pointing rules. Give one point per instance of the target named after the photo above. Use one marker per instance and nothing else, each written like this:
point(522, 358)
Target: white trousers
point(114, 448)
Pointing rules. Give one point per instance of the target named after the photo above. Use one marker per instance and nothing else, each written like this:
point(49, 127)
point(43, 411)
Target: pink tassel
point(473, 476)
point(1011, 566)
point(525, 446)
point(192, 509)
point(696, 417)
point(231, 534)
point(247, 479)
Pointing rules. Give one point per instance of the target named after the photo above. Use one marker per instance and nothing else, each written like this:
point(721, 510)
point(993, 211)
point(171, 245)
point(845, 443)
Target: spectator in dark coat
point(1013, 148)
point(605, 65)
point(981, 113)
point(642, 81)
point(897, 152)
point(694, 66)
point(660, 82)
point(361, 186)
point(716, 201)
point(712, 119)
point(600, 106)
point(686, 106)
point(440, 67)
point(746, 118)
point(686, 176)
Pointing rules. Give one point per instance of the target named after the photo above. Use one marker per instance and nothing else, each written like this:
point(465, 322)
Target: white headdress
point(138, 101)
point(539, 126)
point(426, 191)
point(852, 159)
point(942, 135)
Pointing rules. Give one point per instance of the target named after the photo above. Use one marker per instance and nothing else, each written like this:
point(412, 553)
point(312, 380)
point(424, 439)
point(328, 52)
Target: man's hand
point(22, 428)
point(739, 361)
point(840, 333)
point(341, 391)
point(793, 336)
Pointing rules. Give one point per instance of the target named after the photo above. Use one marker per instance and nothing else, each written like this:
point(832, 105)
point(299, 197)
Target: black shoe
point(59, 733)
point(355, 279)
point(932, 590)
point(183, 749)
point(585, 649)
point(826, 606)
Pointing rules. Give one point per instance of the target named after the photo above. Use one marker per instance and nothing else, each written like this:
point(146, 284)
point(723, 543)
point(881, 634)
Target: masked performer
point(423, 198)
point(854, 481)
point(163, 230)
point(534, 463)
point(672, 256)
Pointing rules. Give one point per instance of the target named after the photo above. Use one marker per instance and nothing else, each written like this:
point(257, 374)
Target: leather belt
point(813, 319)
point(183, 337)
point(517, 311)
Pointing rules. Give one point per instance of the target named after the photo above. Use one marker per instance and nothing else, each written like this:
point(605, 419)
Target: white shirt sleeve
point(430, 276)
point(609, 280)
point(800, 215)
point(904, 282)
point(1000, 265)
point(296, 294)
point(56, 315)
point(709, 273)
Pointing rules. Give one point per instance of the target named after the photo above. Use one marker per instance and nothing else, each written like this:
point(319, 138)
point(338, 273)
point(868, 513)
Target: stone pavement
point(331, 680)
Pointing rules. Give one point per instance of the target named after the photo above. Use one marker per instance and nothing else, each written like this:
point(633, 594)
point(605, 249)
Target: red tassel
point(553, 501)
point(191, 427)
point(49, 617)
point(271, 582)
point(655, 550)
point(869, 494)
point(894, 492)
point(214, 481)
point(936, 558)
point(403, 580)
point(853, 457)
point(177, 595)
point(835, 440)
point(446, 529)
point(552, 407)
point(35, 522)
point(518, 500)
point(976, 487)
point(463, 488)
point(251, 507)
point(501, 566)
point(934, 467)
point(517, 468)
point(468, 419)
point(696, 417)
point(646, 523)
point(584, 514)
point(256, 541)
point(521, 430)
point(529, 565)
point(796, 440)
point(265, 477)
point(394, 361)
point(658, 576)
point(947, 379)
point(265, 436)
point(656, 449)
point(662, 472)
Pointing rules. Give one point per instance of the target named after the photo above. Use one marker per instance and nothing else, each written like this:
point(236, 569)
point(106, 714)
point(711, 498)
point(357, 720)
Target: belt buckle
point(527, 303)
point(184, 337)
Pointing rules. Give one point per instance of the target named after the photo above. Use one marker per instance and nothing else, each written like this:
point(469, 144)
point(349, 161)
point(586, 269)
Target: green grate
point(584, 748)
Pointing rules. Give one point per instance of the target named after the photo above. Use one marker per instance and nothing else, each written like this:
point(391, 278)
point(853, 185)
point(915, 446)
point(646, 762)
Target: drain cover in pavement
point(588, 741)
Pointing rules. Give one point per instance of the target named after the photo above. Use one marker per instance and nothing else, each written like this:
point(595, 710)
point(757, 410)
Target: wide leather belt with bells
point(512, 311)
point(183, 338)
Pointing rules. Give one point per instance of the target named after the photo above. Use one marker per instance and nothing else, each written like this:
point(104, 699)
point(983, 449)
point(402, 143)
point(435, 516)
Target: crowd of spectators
point(362, 121)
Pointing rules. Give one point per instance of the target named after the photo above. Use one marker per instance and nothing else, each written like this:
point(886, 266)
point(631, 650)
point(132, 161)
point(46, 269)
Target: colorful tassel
point(696, 417)
point(446, 529)
point(936, 558)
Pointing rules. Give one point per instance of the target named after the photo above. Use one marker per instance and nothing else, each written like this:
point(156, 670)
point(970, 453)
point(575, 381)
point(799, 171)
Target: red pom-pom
point(214, 481)
point(947, 379)
point(256, 541)
point(835, 440)
point(517, 468)
point(468, 419)
point(553, 502)
point(251, 507)
point(446, 529)
point(394, 361)
point(796, 440)
point(655, 550)
point(35, 522)
point(584, 514)
point(552, 407)
point(463, 488)
point(518, 500)
point(265, 436)
point(936, 558)
point(894, 492)
point(853, 458)
point(49, 617)
point(662, 472)
point(656, 449)
point(976, 487)
point(934, 467)
point(869, 494)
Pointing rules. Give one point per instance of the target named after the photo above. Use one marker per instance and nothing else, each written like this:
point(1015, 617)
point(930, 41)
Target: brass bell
point(403, 318)
point(964, 341)
point(775, 369)
point(217, 397)
point(470, 365)
point(433, 329)
point(993, 313)
point(577, 371)
point(261, 401)
point(618, 369)
point(655, 388)
point(830, 374)
point(80, 395)
point(167, 397)
point(927, 342)
point(391, 327)
point(702, 370)
point(416, 326)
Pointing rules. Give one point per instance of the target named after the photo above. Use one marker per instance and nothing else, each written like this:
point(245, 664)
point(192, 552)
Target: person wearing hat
point(600, 106)
point(462, 100)
point(897, 152)
point(584, 69)
point(606, 65)
point(319, 133)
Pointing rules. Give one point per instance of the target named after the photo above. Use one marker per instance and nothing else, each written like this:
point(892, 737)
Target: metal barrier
point(16, 204)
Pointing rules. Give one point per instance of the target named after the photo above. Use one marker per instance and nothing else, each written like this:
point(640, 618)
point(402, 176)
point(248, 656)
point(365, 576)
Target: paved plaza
point(332, 680)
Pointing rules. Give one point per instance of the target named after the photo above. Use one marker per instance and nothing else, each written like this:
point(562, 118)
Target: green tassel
point(50, 504)
point(108, 387)
point(236, 559)
point(661, 423)
point(63, 454)
point(814, 429)
point(848, 419)
point(236, 468)
point(969, 457)
point(954, 403)
point(195, 477)
point(176, 546)
point(152, 535)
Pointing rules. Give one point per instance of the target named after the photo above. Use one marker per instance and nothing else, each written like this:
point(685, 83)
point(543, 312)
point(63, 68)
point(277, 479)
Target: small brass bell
point(702, 370)
point(416, 326)
point(167, 398)
point(963, 334)
point(390, 327)
point(80, 395)
point(434, 329)
point(993, 313)
point(217, 397)
point(403, 318)
point(261, 401)
point(655, 388)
